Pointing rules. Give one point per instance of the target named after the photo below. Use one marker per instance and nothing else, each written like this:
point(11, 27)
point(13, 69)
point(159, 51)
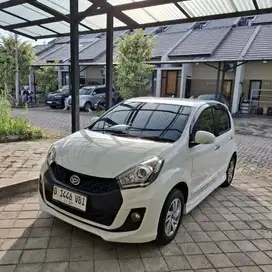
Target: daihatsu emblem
point(74, 179)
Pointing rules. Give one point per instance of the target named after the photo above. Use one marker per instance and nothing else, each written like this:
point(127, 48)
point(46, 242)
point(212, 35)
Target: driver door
point(203, 155)
point(97, 95)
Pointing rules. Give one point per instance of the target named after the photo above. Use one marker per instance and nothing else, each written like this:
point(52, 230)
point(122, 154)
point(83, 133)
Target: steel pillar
point(222, 82)
point(218, 80)
point(109, 60)
point(75, 70)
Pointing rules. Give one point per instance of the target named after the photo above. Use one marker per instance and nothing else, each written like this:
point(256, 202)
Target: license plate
point(49, 102)
point(69, 198)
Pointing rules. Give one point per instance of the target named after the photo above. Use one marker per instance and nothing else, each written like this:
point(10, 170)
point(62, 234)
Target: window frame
point(195, 119)
point(224, 109)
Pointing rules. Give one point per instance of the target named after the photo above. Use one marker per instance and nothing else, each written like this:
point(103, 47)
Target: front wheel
point(87, 106)
point(170, 218)
point(230, 173)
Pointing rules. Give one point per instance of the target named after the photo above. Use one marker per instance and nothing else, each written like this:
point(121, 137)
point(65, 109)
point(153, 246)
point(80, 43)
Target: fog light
point(135, 216)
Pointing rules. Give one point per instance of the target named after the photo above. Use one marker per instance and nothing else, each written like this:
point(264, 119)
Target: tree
point(132, 71)
point(7, 61)
point(47, 79)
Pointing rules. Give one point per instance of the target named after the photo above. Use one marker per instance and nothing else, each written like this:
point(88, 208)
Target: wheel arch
point(183, 187)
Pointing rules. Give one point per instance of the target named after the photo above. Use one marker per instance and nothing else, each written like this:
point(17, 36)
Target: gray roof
point(46, 55)
point(39, 48)
point(201, 42)
point(165, 41)
point(234, 44)
point(261, 48)
point(263, 18)
point(218, 40)
point(221, 23)
point(95, 50)
point(60, 54)
point(179, 28)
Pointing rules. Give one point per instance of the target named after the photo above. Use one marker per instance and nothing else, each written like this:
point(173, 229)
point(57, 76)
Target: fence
point(260, 101)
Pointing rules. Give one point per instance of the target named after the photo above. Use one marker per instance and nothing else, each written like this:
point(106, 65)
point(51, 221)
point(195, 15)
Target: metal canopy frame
point(56, 18)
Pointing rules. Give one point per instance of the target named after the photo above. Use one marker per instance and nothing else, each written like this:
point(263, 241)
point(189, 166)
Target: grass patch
point(12, 129)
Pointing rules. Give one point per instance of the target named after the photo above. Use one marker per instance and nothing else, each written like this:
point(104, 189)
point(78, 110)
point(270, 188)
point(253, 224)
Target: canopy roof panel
point(50, 18)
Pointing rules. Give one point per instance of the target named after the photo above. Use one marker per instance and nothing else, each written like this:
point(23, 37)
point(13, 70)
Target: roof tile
point(261, 47)
point(201, 42)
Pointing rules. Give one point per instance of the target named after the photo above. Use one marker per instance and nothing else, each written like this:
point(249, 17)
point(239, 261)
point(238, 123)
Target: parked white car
point(138, 168)
point(89, 96)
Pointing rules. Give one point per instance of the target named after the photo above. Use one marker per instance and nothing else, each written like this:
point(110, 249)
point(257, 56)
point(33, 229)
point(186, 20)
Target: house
point(187, 58)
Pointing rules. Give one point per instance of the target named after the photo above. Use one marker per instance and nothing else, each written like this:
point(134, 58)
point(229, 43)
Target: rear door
point(224, 138)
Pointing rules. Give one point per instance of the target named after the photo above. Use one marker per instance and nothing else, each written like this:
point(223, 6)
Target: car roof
point(174, 101)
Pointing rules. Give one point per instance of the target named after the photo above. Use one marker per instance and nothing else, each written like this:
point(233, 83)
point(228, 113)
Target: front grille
point(104, 198)
point(88, 184)
point(102, 217)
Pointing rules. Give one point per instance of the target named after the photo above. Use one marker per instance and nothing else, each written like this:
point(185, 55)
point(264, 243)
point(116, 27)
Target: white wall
point(238, 87)
point(93, 72)
point(203, 71)
point(258, 71)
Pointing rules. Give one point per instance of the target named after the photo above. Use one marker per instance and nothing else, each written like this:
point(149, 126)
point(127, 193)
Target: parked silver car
point(89, 96)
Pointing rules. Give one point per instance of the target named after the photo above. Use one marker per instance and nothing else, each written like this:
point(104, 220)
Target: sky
point(33, 42)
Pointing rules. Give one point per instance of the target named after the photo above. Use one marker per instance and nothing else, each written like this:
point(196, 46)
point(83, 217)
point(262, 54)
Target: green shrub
point(15, 126)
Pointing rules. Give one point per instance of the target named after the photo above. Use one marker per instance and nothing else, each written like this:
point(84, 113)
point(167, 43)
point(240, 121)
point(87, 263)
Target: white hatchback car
point(135, 170)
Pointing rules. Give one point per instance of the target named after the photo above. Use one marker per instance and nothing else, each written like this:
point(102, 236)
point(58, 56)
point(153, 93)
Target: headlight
point(141, 175)
point(51, 155)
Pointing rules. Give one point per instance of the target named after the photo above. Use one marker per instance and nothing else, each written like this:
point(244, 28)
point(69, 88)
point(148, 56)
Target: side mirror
point(204, 137)
point(94, 119)
point(94, 93)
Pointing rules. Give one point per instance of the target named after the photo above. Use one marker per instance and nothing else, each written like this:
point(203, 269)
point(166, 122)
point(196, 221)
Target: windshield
point(63, 89)
point(85, 90)
point(154, 121)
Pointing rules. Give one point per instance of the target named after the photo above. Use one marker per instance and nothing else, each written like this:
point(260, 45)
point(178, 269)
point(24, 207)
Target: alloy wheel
point(173, 217)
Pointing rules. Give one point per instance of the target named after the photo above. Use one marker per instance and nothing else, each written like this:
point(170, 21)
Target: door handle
point(230, 138)
point(216, 147)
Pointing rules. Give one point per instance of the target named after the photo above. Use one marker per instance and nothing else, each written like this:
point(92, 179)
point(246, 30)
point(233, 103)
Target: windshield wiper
point(157, 139)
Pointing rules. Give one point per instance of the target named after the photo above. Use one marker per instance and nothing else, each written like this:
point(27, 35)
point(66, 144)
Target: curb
point(17, 188)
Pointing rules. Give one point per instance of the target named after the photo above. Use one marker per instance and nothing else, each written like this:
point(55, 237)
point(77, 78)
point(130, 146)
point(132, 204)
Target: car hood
point(55, 94)
point(104, 155)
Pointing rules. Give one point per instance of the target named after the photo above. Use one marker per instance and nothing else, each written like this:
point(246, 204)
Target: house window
point(246, 21)
point(200, 25)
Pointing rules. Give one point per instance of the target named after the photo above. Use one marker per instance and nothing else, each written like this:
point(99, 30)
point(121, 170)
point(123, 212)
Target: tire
point(87, 106)
point(53, 107)
point(163, 238)
point(230, 172)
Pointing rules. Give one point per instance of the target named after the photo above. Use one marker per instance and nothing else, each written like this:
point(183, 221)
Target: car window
point(85, 90)
point(99, 90)
point(222, 121)
point(205, 121)
point(160, 122)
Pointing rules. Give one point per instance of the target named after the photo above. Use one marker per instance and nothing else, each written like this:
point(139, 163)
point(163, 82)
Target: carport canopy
point(40, 19)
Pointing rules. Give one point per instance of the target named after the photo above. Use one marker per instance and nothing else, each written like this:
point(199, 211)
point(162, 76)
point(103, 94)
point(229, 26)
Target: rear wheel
point(230, 172)
point(87, 106)
point(170, 218)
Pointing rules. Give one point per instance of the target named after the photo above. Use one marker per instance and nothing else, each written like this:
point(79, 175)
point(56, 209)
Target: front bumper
point(68, 104)
point(54, 102)
point(120, 230)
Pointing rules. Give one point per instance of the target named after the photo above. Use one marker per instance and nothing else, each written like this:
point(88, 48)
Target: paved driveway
point(230, 231)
